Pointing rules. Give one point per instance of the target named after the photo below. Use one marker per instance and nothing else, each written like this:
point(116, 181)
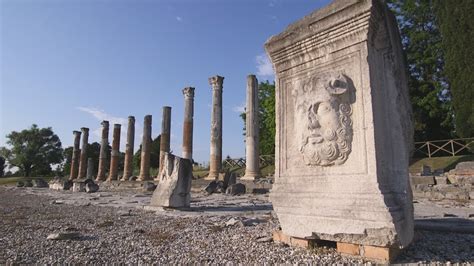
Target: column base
point(211, 177)
point(250, 177)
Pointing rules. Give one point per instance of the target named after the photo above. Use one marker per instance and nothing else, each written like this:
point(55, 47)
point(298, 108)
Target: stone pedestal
point(128, 164)
point(145, 154)
point(343, 127)
point(165, 134)
point(83, 160)
point(188, 123)
point(174, 183)
point(104, 143)
point(215, 161)
point(252, 161)
point(75, 155)
point(115, 154)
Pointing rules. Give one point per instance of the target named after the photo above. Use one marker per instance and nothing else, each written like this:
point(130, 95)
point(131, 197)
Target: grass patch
point(11, 181)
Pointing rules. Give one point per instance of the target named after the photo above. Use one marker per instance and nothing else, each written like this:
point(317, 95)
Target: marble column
point(215, 162)
point(103, 151)
point(115, 154)
point(252, 163)
point(128, 164)
point(90, 168)
point(165, 134)
point(75, 155)
point(145, 154)
point(83, 160)
point(188, 123)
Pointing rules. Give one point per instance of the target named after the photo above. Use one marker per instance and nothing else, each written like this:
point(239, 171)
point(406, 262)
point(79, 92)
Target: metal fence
point(447, 147)
point(265, 160)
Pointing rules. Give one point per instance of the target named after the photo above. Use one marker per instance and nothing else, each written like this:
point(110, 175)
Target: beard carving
point(323, 116)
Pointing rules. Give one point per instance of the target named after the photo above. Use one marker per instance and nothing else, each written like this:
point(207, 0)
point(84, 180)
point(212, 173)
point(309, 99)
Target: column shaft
point(75, 155)
point(103, 151)
point(83, 160)
point(215, 162)
point(252, 169)
point(115, 155)
point(188, 123)
point(90, 168)
point(145, 153)
point(128, 164)
point(165, 134)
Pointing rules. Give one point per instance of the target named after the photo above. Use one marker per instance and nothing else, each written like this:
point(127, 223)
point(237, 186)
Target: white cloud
point(239, 108)
point(101, 115)
point(264, 66)
point(179, 19)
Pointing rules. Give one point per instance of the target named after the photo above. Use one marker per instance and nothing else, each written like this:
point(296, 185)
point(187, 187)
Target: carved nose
point(314, 124)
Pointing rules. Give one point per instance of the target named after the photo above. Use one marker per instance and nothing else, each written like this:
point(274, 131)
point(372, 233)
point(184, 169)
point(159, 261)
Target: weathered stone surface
point(76, 152)
point(174, 183)
point(39, 183)
point(20, 184)
point(211, 187)
point(27, 183)
point(252, 160)
point(165, 139)
point(149, 186)
point(91, 187)
point(422, 180)
point(128, 163)
point(441, 180)
point(215, 161)
point(188, 123)
point(103, 151)
point(236, 189)
point(60, 184)
point(79, 186)
point(90, 168)
point(145, 153)
point(83, 158)
point(64, 236)
point(344, 128)
point(115, 153)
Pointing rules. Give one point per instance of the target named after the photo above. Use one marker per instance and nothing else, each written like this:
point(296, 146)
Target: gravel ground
point(125, 235)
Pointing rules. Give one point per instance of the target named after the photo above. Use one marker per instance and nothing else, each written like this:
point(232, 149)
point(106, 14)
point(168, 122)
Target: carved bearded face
point(323, 116)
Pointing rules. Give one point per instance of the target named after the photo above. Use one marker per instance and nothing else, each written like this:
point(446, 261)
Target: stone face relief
point(323, 119)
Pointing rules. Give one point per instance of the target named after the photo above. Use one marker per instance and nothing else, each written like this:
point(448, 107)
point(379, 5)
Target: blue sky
point(69, 64)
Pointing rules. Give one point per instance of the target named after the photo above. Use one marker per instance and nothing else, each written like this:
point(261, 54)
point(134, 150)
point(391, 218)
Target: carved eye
point(323, 107)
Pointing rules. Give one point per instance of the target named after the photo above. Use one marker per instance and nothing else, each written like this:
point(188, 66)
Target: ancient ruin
point(344, 130)
point(165, 134)
point(188, 123)
point(115, 154)
point(103, 151)
point(215, 161)
point(128, 164)
point(83, 159)
point(174, 183)
point(90, 168)
point(145, 153)
point(252, 164)
point(75, 155)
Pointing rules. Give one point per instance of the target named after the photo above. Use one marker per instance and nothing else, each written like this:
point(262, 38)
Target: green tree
point(457, 29)
point(33, 150)
point(266, 100)
point(2, 166)
point(429, 91)
point(154, 154)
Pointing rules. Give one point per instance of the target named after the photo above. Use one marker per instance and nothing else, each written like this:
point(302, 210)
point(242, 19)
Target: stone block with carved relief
point(344, 127)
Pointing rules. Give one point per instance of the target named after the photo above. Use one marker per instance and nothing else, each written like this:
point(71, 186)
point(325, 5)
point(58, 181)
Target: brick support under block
point(379, 254)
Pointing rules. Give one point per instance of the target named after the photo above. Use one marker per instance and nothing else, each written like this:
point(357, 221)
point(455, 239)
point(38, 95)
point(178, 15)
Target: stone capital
point(216, 82)
point(105, 123)
point(117, 125)
point(77, 133)
point(188, 92)
point(131, 119)
point(85, 130)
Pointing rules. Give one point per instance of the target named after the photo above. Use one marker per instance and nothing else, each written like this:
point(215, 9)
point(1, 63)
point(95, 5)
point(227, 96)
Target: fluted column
point(83, 160)
point(252, 168)
point(128, 164)
point(145, 154)
point(75, 155)
point(115, 154)
point(165, 134)
point(188, 123)
point(215, 162)
point(103, 151)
